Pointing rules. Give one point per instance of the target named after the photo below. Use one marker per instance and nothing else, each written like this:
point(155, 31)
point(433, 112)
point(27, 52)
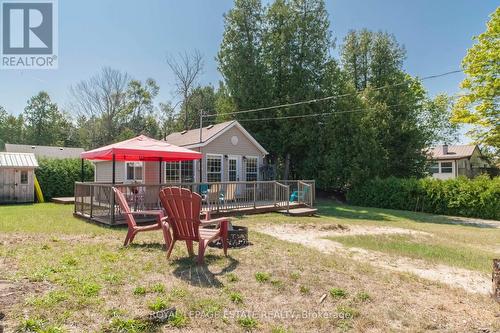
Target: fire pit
point(237, 237)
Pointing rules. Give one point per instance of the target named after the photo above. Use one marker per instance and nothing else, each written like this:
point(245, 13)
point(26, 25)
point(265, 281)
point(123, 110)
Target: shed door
point(23, 193)
point(7, 185)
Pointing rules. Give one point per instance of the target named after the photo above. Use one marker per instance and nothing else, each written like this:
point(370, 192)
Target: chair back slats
point(183, 210)
point(122, 202)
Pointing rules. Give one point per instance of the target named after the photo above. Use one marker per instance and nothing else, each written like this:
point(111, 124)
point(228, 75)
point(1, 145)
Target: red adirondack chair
point(133, 228)
point(183, 209)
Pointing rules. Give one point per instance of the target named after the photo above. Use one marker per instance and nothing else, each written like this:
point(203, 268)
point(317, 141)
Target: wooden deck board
point(64, 200)
point(300, 211)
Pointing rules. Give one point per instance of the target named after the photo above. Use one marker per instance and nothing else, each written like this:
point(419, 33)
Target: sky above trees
point(136, 38)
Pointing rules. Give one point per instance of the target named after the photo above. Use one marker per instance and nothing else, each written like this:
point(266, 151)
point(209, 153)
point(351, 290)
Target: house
point(229, 153)
point(452, 161)
point(17, 177)
point(45, 151)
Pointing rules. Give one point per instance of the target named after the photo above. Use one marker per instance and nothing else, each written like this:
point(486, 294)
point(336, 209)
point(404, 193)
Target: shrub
point(478, 197)
point(57, 177)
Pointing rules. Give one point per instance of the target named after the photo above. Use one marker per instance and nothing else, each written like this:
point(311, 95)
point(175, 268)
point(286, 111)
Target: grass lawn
point(61, 274)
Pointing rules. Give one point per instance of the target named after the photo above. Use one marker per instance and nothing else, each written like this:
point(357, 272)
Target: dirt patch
point(469, 221)
point(471, 281)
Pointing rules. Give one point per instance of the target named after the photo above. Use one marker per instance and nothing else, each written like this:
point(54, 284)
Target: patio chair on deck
point(183, 209)
point(133, 228)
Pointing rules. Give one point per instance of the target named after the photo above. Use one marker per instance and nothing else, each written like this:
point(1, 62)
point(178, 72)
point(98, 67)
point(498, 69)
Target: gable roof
point(191, 138)
point(18, 160)
point(454, 152)
point(45, 151)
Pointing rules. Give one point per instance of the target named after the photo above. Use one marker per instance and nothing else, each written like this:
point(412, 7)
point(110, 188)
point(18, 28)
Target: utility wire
point(330, 113)
point(329, 97)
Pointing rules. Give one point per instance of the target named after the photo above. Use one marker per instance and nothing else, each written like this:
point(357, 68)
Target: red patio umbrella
point(141, 148)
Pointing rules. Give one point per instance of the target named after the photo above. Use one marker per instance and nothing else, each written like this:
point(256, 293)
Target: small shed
point(17, 172)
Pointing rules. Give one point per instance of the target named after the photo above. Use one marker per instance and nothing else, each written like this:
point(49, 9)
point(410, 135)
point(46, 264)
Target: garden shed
point(17, 172)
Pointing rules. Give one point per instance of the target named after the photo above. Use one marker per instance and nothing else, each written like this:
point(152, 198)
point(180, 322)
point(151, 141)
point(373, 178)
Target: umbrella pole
point(161, 160)
point(112, 193)
point(82, 173)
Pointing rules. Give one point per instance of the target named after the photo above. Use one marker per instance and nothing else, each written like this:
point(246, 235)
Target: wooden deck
point(263, 207)
point(300, 211)
point(64, 200)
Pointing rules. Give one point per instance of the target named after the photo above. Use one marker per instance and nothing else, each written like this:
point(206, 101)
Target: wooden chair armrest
point(207, 215)
point(215, 221)
point(145, 212)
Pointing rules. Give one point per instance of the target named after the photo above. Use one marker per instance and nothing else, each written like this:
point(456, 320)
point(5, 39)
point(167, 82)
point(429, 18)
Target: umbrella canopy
point(141, 148)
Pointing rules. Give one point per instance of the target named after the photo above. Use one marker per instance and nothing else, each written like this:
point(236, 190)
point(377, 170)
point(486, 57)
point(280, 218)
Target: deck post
point(288, 199)
point(274, 194)
point(91, 200)
point(254, 194)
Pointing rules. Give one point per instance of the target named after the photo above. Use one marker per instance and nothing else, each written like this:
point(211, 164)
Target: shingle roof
point(192, 137)
point(45, 151)
point(18, 160)
point(454, 152)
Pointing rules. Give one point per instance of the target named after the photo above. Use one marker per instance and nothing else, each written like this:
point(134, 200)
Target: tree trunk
point(287, 166)
point(495, 278)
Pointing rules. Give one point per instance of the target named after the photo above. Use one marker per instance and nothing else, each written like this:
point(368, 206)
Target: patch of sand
point(471, 281)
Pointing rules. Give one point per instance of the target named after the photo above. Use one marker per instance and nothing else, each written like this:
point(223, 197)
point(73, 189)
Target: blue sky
point(135, 36)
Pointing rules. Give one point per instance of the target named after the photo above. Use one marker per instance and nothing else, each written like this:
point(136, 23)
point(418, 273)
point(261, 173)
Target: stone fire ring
point(237, 237)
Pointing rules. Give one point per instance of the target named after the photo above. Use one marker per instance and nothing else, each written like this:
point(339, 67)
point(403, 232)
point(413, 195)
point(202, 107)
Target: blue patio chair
point(298, 195)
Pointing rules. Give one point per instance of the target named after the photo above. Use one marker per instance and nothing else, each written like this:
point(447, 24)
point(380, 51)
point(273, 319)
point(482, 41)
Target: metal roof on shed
point(18, 160)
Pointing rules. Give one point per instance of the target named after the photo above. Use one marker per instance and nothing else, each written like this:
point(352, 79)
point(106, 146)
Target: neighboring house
point(45, 151)
point(230, 153)
point(451, 161)
point(17, 177)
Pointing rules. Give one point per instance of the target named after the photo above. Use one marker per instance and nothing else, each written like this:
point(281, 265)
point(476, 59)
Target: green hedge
point(57, 177)
point(478, 197)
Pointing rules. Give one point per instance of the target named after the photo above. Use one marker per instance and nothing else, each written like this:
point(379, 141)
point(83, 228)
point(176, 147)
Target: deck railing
point(96, 201)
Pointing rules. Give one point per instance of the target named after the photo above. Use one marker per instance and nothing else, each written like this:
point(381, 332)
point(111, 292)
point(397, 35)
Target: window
point(446, 167)
point(187, 171)
point(434, 168)
point(179, 172)
point(24, 177)
point(134, 171)
point(172, 172)
point(251, 169)
point(214, 168)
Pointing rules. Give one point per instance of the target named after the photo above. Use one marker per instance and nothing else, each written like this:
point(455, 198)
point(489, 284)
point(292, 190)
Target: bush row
point(478, 197)
point(57, 177)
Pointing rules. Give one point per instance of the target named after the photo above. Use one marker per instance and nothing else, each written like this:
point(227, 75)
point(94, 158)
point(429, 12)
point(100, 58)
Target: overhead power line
point(316, 100)
point(328, 113)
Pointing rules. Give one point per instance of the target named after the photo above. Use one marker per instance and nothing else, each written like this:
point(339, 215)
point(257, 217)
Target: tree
point(11, 128)
point(187, 69)
point(45, 124)
point(479, 107)
point(435, 121)
point(393, 101)
point(139, 107)
point(102, 98)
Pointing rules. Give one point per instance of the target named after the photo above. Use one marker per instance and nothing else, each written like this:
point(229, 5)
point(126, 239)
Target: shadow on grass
point(344, 211)
point(199, 275)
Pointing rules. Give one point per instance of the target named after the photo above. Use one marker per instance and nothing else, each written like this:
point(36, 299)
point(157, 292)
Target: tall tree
point(480, 106)
point(139, 108)
point(187, 70)
point(393, 99)
point(45, 124)
point(11, 128)
point(102, 98)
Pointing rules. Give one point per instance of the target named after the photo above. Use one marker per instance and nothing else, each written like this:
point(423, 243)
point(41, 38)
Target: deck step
point(300, 211)
point(64, 200)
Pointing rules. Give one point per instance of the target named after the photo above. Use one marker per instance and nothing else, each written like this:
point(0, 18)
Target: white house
point(451, 161)
point(230, 153)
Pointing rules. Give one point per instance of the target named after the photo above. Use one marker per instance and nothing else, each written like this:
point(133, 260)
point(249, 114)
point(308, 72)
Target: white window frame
point(257, 167)
point(221, 165)
point(21, 177)
point(450, 167)
point(125, 173)
point(179, 171)
point(436, 166)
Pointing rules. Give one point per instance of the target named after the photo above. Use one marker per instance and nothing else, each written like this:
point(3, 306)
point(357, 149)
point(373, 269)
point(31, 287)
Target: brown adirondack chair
point(183, 209)
point(133, 228)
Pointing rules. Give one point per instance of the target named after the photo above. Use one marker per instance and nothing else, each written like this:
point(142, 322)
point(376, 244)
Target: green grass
point(432, 250)
point(77, 276)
